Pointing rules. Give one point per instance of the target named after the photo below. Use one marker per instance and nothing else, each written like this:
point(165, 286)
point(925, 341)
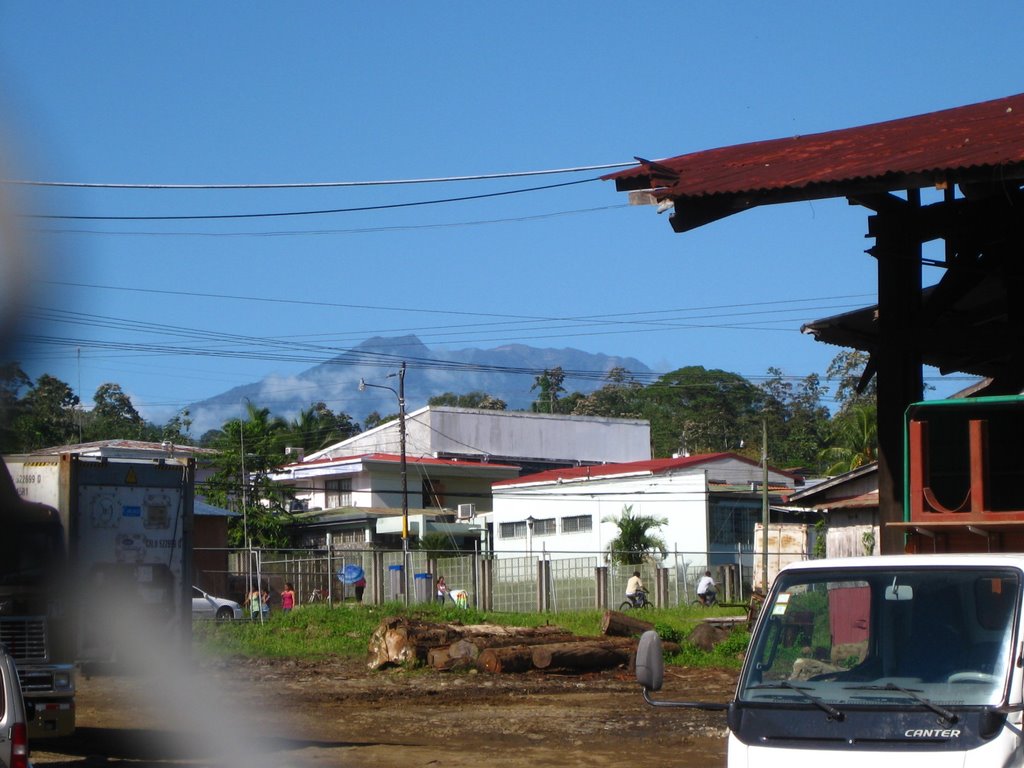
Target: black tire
point(224, 613)
point(626, 606)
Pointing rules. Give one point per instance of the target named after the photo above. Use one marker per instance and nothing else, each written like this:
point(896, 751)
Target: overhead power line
point(346, 231)
point(319, 212)
point(321, 184)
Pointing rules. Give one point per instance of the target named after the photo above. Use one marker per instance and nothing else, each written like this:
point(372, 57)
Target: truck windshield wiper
point(945, 714)
point(824, 706)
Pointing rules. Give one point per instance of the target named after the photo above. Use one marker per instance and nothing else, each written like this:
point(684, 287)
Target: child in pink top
point(287, 597)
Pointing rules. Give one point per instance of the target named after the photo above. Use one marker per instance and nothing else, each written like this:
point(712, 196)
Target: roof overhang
point(980, 144)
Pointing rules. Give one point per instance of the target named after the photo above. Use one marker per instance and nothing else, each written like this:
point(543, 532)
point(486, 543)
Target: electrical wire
point(320, 212)
point(321, 184)
point(350, 231)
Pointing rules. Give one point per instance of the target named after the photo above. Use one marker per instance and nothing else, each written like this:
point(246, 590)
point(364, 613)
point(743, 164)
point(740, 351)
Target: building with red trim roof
point(710, 503)
point(359, 498)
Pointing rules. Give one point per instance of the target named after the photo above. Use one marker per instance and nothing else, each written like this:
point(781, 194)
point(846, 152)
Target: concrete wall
point(458, 432)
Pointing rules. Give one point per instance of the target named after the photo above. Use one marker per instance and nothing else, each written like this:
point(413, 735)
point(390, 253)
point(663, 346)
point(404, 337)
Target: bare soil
point(335, 712)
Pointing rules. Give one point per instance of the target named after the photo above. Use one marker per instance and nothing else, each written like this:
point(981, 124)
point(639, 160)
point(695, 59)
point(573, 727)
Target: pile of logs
point(493, 648)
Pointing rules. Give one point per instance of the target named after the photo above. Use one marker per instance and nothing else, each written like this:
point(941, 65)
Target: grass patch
point(317, 631)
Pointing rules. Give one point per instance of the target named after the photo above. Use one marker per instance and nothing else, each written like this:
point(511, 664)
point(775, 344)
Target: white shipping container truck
point(128, 531)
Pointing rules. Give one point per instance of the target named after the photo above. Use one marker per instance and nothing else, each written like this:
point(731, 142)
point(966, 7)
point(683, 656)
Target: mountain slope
point(505, 372)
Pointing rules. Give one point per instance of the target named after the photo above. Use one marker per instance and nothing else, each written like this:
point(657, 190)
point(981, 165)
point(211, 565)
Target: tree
point(46, 415)
point(854, 440)
point(635, 541)
point(248, 451)
point(13, 381)
point(436, 545)
point(318, 426)
point(176, 430)
point(621, 397)
point(374, 419)
point(549, 384)
point(797, 421)
point(847, 371)
point(113, 415)
point(695, 410)
point(474, 399)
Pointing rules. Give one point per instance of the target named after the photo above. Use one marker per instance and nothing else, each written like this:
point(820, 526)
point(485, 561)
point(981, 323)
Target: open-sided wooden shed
point(970, 321)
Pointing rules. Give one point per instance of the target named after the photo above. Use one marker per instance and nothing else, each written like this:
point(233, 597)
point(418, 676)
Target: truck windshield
point(29, 551)
point(883, 637)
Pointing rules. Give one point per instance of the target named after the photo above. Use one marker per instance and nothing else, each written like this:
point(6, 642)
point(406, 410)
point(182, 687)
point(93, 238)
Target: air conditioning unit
point(466, 512)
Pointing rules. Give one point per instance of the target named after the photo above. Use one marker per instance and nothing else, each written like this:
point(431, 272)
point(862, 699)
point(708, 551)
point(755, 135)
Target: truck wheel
point(225, 613)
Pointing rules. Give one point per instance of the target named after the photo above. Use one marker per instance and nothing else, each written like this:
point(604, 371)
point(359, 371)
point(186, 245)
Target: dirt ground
point(333, 712)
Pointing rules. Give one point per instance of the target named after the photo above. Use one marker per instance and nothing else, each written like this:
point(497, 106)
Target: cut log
point(618, 624)
point(438, 658)
point(463, 649)
point(516, 658)
point(399, 640)
point(581, 656)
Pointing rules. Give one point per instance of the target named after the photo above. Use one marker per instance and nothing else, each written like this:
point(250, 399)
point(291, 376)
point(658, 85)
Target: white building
point(533, 441)
point(710, 501)
point(374, 481)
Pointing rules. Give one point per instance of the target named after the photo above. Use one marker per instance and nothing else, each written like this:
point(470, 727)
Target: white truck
point(126, 525)
point(911, 660)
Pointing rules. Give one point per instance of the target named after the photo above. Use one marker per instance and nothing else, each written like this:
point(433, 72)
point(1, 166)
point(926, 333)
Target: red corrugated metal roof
point(990, 133)
point(652, 467)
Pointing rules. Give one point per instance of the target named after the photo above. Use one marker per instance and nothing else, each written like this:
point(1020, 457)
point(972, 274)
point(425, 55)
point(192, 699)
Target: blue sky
point(273, 93)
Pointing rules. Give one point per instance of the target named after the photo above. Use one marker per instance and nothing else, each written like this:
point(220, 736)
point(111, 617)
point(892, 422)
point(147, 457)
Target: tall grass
point(319, 631)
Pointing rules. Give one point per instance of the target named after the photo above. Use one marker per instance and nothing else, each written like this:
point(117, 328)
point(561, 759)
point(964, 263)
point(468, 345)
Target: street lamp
point(529, 534)
point(400, 394)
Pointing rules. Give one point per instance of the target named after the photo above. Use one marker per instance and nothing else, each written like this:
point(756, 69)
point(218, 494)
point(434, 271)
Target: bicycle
point(707, 600)
point(636, 602)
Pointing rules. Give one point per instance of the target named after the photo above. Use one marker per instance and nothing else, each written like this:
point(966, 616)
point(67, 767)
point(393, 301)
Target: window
point(515, 530)
point(545, 527)
point(339, 493)
point(433, 494)
point(577, 524)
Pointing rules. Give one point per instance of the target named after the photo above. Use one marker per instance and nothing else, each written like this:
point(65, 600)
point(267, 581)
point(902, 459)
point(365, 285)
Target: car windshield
point(922, 637)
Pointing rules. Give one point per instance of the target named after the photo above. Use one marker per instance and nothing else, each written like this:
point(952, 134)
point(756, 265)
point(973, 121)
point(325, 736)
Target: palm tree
point(855, 441)
point(635, 541)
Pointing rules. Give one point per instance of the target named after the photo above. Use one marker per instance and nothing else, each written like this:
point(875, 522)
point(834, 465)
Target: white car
point(206, 606)
point(14, 716)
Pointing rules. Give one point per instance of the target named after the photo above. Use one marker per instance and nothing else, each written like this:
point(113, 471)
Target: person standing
point(442, 589)
point(360, 586)
point(287, 597)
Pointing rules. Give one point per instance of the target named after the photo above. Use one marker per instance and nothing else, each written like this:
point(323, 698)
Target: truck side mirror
point(650, 663)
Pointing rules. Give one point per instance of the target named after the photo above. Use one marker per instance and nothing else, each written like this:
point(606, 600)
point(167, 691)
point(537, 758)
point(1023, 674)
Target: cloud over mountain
point(505, 372)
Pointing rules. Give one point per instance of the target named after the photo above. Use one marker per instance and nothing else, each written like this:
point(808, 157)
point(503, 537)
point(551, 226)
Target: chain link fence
point(568, 582)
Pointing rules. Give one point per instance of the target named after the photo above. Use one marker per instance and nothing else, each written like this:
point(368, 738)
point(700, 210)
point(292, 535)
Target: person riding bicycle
point(635, 591)
point(706, 588)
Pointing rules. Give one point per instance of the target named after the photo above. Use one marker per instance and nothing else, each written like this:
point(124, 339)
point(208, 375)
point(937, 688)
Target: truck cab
point(910, 659)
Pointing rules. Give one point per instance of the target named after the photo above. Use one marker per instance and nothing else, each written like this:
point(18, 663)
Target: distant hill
point(506, 372)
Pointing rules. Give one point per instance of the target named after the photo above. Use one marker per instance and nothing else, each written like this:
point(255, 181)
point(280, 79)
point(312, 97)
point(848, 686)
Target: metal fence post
point(601, 577)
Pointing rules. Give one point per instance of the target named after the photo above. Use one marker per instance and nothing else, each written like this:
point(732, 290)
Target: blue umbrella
point(350, 574)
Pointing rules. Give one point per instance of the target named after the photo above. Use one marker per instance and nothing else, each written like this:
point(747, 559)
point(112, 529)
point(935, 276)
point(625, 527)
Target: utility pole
point(400, 394)
point(765, 508)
